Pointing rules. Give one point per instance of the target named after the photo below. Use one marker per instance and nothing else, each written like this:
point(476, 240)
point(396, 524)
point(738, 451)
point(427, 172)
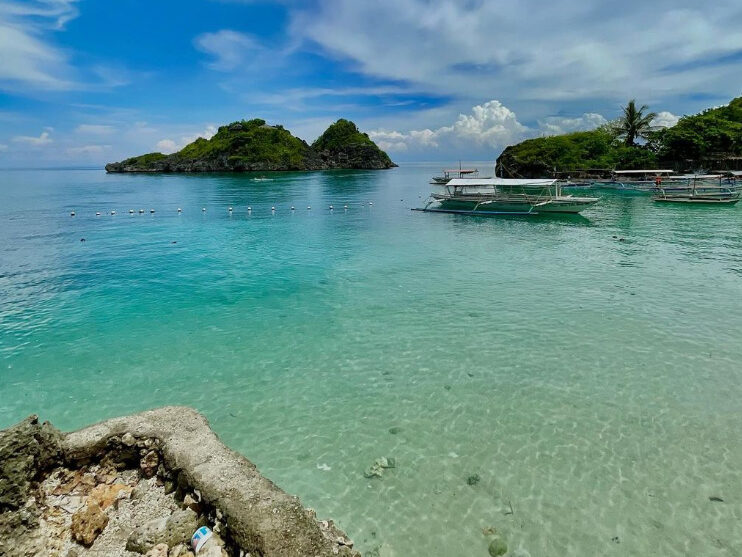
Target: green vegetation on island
point(255, 145)
point(343, 141)
point(710, 139)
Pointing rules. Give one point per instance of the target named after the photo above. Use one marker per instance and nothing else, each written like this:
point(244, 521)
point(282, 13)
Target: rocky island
point(253, 145)
point(141, 485)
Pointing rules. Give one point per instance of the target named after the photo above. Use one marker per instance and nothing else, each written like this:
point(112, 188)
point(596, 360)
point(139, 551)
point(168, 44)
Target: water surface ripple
point(586, 369)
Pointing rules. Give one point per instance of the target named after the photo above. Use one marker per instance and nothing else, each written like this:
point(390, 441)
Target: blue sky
point(83, 82)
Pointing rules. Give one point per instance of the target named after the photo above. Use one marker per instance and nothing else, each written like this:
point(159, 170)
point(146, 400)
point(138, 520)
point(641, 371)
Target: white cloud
point(95, 129)
point(28, 60)
point(59, 12)
point(3, 147)
point(491, 125)
point(530, 50)
point(43, 139)
point(88, 150)
point(665, 119)
point(168, 146)
point(230, 49)
point(555, 125)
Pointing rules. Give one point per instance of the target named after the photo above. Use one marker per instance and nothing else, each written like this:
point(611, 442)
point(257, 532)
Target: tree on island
point(634, 123)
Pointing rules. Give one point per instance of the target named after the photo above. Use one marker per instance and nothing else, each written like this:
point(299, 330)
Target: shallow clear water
point(593, 384)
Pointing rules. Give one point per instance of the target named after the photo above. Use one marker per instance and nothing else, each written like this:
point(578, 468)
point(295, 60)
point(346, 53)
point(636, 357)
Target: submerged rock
point(497, 547)
point(376, 470)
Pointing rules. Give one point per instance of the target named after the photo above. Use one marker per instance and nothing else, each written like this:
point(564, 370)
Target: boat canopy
point(642, 171)
point(500, 182)
point(698, 176)
point(462, 171)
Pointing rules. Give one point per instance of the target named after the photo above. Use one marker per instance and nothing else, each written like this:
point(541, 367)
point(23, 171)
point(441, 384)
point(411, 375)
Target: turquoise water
point(594, 385)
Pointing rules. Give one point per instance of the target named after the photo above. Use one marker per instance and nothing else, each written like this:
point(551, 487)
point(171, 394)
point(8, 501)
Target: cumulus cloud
point(43, 139)
point(168, 146)
point(555, 125)
point(95, 129)
point(490, 124)
point(665, 119)
point(230, 49)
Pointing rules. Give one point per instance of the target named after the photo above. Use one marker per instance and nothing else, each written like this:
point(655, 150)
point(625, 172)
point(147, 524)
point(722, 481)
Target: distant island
point(709, 140)
point(253, 145)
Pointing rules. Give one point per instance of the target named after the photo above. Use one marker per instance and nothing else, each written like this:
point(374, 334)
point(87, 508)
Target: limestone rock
point(88, 522)
point(147, 535)
point(26, 450)
point(106, 495)
point(173, 530)
point(149, 463)
point(261, 519)
point(180, 526)
point(160, 550)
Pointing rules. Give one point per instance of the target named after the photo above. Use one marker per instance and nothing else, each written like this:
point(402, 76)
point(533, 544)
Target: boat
point(505, 196)
point(642, 181)
point(709, 189)
point(449, 174)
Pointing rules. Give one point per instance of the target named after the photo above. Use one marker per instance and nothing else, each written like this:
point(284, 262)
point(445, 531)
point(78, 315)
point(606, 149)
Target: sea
point(570, 384)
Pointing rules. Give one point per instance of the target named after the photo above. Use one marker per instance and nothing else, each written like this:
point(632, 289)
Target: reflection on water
point(585, 369)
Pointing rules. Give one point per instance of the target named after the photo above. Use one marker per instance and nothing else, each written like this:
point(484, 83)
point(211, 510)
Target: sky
point(84, 82)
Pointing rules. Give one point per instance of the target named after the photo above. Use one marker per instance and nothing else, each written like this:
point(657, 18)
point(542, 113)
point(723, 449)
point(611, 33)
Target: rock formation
point(143, 484)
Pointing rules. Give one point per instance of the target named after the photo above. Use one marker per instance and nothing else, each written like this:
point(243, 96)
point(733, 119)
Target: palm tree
point(634, 123)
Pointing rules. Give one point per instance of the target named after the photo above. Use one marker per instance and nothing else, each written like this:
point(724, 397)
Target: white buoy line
point(230, 209)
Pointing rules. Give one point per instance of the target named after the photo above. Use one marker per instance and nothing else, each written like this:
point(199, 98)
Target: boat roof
point(500, 182)
point(462, 170)
point(642, 171)
point(698, 176)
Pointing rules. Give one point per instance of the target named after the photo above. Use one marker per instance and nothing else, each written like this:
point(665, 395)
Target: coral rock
point(149, 463)
point(88, 523)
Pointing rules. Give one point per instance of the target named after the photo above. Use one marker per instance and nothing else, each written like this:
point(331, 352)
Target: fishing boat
point(709, 188)
point(450, 174)
point(505, 196)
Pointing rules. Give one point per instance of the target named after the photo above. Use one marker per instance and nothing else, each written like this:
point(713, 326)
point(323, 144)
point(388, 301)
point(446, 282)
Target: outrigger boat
point(450, 174)
point(643, 181)
point(709, 188)
point(505, 196)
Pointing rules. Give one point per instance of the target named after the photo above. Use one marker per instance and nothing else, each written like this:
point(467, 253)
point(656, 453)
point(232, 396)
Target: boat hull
point(564, 205)
point(707, 200)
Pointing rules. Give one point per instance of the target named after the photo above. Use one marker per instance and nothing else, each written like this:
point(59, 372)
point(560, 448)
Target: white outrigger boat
point(642, 181)
point(505, 196)
point(707, 188)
